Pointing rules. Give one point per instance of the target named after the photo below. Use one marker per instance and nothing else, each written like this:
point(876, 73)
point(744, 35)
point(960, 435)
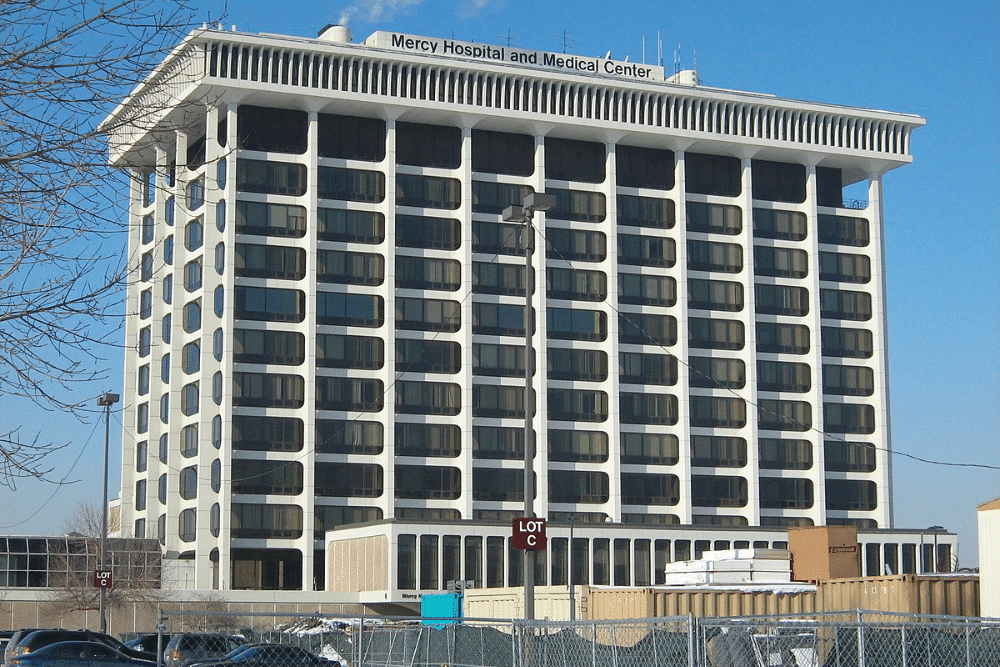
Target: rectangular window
point(335, 224)
point(270, 261)
point(270, 304)
point(497, 278)
point(406, 562)
point(575, 284)
point(497, 238)
point(574, 160)
point(415, 355)
point(349, 268)
point(576, 324)
point(577, 364)
point(715, 334)
point(351, 138)
point(257, 346)
point(647, 329)
point(259, 521)
point(578, 446)
point(783, 376)
point(714, 256)
point(267, 477)
point(780, 262)
point(421, 145)
point(268, 390)
point(270, 178)
point(785, 493)
point(848, 380)
point(650, 489)
point(843, 230)
point(714, 218)
point(848, 343)
point(713, 174)
point(718, 451)
point(851, 494)
point(578, 206)
point(360, 310)
point(718, 491)
point(273, 130)
point(844, 267)
point(782, 338)
point(420, 231)
point(349, 480)
point(348, 436)
point(778, 181)
point(640, 167)
point(575, 244)
point(641, 289)
point(498, 484)
point(493, 198)
point(721, 295)
point(347, 393)
point(438, 440)
point(578, 405)
point(498, 360)
point(428, 191)
point(429, 314)
point(428, 273)
point(843, 456)
point(785, 225)
point(345, 184)
point(262, 219)
point(639, 250)
point(845, 305)
point(431, 398)
point(780, 415)
point(648, 408)
point(491, 400)
point(428, 482)
point(718, 411)
point(785, 454)
point(649, 448)
point(578, 486)
point(849, 418)
point(782, 300)
point(503, 153)
point(429, 562)
point(498, 319)
point(262, 434)
point(647, 368)
point(716, 372)
point(497, 442)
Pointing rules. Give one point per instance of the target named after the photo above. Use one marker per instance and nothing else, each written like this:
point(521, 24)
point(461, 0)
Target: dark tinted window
point(712, 174)
point(428, 145)
point(276, 130)
point(573, 160)
point(503, 153)
point(637, 167)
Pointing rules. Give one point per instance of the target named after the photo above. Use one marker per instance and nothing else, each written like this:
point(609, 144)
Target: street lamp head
point(514, 213)
point(107, 399)
point(539, 201)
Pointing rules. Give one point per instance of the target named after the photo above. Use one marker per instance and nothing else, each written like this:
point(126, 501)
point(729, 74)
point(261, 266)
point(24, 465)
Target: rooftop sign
point(585, 65)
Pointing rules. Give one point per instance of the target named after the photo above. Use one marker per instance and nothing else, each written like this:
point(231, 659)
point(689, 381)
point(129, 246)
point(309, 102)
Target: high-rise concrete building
point(325, 327)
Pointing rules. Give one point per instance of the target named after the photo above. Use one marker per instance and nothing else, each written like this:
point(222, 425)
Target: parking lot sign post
point(103, 579)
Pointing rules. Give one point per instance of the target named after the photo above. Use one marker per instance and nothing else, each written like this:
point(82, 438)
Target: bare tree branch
point(64, 66)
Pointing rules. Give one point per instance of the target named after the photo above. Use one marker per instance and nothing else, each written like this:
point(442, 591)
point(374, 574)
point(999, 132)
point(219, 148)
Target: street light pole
point(535, 201)
point(105, 400)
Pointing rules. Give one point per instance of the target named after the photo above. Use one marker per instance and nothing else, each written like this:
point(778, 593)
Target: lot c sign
point(529, 534)
point(102, 579)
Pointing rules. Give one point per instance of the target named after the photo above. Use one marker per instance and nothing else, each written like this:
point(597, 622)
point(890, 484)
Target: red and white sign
point(529, 534)
point(102, 579)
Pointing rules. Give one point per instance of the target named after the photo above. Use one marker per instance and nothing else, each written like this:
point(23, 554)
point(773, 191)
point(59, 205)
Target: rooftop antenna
point(510, 37)
point(566, 40)
point(643, 49)
point(659, 49)
point(677, 59)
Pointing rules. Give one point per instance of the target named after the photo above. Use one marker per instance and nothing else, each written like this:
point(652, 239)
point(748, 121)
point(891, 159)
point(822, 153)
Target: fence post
point(692, 641)
point(968, 646)
point(861, 641)
point(361, 638)
point(903, 639)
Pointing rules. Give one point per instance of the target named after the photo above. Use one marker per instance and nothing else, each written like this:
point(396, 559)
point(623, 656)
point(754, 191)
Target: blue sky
point(942, 213)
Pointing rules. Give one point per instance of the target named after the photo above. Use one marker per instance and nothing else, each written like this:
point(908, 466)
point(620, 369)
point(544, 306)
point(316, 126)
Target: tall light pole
point(105, 400)
point(535, 201)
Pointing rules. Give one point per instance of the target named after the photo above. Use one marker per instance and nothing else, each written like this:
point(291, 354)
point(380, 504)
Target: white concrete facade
point(708, 255)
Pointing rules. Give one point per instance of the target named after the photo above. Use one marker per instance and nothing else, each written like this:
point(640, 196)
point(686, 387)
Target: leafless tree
point(64, 66)
point(136, 567)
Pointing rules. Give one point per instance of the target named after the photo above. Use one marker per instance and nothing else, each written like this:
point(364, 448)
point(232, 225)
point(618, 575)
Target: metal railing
point(861, 639)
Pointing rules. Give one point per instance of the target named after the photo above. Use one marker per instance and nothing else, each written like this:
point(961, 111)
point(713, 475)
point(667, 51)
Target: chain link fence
point(865, 639)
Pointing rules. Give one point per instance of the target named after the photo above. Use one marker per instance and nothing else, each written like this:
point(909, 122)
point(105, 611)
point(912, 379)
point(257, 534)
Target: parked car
point(5, 636)
point(187, 648)
point(14, 640)
point(75, 653)
point(39, 638)
point(270, 655)
point(148, 643)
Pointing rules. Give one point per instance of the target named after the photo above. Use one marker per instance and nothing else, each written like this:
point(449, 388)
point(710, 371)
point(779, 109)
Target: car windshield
point(236, 651)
